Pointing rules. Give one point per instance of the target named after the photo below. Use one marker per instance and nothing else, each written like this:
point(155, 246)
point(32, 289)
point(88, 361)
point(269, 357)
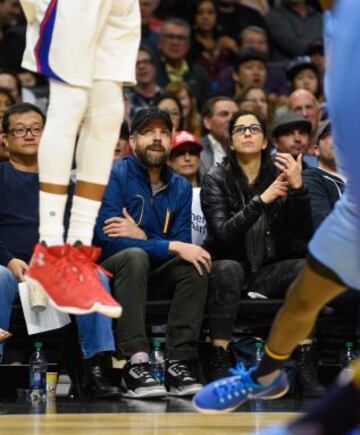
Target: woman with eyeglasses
point(258, 221)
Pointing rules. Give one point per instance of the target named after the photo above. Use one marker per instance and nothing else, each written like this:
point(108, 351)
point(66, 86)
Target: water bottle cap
point(349, 344)
point(259, 345)
point(157, 344)
point(38, 345)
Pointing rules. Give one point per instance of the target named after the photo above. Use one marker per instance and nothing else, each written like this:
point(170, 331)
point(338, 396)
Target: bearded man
point(144, 228)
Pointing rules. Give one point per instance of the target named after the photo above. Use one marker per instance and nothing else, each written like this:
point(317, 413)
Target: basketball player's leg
point(315, 286)
point(94, 156)
point(68, 276)
point(65, 113)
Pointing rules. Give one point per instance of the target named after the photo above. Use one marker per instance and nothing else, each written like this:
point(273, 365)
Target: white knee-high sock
point(82, 222)
point(56, 150)
point(94, 154)
point(52, 208)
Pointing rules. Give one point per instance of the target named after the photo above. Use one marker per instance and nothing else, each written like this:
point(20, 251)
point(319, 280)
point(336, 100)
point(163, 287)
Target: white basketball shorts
point(78, 41)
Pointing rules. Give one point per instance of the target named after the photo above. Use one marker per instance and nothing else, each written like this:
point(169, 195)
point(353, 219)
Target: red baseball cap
point(182, 138)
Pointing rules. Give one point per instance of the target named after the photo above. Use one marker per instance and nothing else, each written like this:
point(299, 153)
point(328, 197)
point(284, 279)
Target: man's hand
point(123, 227)
point(4, 335)
point(194, 254)
point(18, 268)
point(291, 168)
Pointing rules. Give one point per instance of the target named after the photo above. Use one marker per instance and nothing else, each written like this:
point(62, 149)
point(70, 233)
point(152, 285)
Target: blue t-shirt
point(19, 213)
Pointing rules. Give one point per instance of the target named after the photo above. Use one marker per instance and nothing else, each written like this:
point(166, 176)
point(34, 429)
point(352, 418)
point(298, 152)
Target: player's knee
point(67, 103)
point(106, 107)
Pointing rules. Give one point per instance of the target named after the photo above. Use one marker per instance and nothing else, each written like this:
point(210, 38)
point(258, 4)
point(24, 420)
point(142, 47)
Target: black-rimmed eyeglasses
point(241, 129)
point(22, 131)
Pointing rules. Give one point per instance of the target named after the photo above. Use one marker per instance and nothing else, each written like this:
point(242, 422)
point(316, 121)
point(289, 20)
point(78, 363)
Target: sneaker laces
point(225, 390)
point(143, 371)
point(181, 370)
point(239, 370)
point(86, 261)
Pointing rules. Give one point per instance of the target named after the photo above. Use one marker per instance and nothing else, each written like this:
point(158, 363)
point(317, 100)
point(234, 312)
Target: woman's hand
point(291, 168)
point(277, 189)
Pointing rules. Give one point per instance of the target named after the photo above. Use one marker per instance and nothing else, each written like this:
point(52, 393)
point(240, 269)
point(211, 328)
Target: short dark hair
point(19, 108)
point(210, 104)
point(147, 49)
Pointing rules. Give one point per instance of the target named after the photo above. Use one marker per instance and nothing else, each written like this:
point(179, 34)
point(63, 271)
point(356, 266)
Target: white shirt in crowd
point(198, 224)
point(217, 149)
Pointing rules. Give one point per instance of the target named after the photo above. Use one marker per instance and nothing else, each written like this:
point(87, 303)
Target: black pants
point(135, 282)
point(228, 282)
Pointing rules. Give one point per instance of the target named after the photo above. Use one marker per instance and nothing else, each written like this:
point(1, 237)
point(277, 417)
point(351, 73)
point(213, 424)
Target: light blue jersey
point(336, 244)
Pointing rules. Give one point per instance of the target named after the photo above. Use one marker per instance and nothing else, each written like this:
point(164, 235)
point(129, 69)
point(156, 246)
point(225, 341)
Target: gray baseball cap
point(324, 127)
point(288, 121)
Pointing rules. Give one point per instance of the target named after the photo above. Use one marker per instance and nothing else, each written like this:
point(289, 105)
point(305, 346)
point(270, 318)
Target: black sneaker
point(220, 362)
point(138, 382)
point(179, 380)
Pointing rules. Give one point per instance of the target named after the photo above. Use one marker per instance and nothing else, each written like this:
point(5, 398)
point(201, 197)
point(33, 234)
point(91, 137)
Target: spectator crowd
point(223, 170)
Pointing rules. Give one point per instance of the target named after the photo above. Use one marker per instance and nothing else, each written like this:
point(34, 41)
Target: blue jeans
point(95, 330)
point(8, 295)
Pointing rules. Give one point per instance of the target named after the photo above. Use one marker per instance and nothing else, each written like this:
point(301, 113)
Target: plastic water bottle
point(348, 357)
point(157, 362)
point(37, 366)
point(257, 404)
point(259, 346)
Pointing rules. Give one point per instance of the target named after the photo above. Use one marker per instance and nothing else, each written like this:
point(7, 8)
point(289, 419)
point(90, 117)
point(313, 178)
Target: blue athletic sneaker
point(229, 393)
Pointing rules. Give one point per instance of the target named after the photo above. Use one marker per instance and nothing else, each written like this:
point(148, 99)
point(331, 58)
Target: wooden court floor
point(139, 423)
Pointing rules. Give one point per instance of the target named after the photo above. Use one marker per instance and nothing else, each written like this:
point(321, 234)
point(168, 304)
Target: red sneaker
point(71, 279)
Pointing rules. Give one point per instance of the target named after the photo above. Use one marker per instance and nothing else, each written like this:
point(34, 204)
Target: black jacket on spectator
point(231, 217)
point(325, 189)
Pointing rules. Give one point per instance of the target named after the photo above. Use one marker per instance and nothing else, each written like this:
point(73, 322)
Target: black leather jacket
point(230, 217)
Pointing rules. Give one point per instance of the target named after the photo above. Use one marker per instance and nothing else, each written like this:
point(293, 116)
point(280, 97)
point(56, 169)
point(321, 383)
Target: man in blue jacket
point(144, 227)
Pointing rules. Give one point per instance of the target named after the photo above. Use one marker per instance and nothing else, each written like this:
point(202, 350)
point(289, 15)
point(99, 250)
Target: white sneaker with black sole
point(179, 380)
point(139, 383)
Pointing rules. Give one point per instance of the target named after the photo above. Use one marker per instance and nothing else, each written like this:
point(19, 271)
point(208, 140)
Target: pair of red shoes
point(70, 277)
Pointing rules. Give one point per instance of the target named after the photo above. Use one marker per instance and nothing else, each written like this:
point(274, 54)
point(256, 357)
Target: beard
point(148, 159)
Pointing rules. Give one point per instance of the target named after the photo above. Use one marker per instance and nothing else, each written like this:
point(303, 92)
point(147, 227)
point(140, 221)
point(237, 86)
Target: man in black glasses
point(23, 126)
point(174, 46)
point(146, 91)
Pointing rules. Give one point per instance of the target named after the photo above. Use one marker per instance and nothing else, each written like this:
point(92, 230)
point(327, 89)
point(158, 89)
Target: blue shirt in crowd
point(19, 213)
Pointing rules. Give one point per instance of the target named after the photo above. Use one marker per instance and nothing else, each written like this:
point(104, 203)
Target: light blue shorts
point(336, 243)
